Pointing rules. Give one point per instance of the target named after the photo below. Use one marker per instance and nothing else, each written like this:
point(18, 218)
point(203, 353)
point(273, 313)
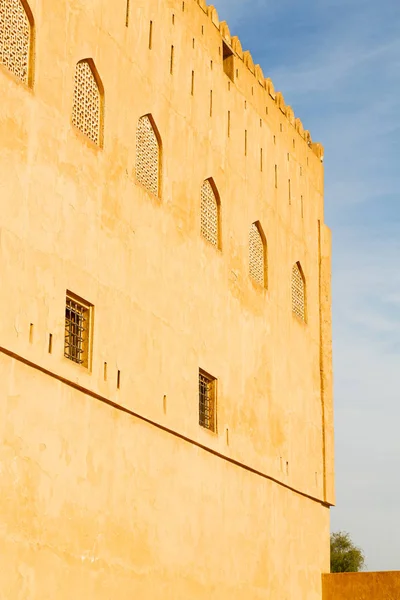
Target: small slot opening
point(50, 343)
point(31, 327)
point(119, 380)
point(105, 371)
point(127, 13)
point(151, 35)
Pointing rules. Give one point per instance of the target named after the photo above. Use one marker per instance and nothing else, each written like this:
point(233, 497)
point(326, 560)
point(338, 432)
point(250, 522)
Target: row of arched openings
point(16, 54)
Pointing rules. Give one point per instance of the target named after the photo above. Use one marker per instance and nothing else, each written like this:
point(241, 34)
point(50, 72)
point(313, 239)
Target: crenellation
point(247, 59)
point(237, 47)
point(260, 75)
point(280, 102)
point(269, 86)
point(202, 4)
point(213, 14)
point(226, 34)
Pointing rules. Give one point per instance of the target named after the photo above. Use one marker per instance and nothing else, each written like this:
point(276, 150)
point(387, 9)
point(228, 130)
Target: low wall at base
point(384, 585)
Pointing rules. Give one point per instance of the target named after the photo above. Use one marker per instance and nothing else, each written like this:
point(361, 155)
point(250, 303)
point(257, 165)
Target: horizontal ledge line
point(96, 396)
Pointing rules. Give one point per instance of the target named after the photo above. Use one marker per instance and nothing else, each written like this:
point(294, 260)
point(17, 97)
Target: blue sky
point(337, 63)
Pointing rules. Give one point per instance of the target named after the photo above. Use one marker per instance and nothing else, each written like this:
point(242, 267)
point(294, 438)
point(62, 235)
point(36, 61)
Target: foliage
point(345, 556)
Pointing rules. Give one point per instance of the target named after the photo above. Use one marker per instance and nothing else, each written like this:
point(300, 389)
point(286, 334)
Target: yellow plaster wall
point(384, 585)
point(166, 302)
point(95, 502)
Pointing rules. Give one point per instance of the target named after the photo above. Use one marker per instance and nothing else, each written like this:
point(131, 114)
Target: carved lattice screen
point(86, 111)
point(256, 256)
point(15, 38)
point(147, 156)
point(209, 213)
point(298, 293)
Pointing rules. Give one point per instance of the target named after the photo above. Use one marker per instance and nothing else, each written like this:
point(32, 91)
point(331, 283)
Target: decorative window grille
point(15, 38)
point(209, 214)
point(77, 330)
point(147, 156)
point(87, 105)
point(298, 293)
point(256, 255)
point(207, 401)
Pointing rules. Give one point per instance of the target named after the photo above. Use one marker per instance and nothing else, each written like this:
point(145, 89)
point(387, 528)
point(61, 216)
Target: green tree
point(345, 556)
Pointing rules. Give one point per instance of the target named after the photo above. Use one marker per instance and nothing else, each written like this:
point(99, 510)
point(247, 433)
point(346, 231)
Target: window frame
point(82, 355)
point(100, 143)
point(218, 245)
point(300, 319)
point(30, 75)
point(263, 239)
point(208, 423)
point(150, 117)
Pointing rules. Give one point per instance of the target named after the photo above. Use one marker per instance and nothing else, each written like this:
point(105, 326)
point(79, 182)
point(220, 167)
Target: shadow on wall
point(384, 585)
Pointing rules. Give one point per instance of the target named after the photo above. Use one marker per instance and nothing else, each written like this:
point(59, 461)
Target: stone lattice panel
point(209, 213)
point(86, 112)
point(147, 156)
point(298, 293)
point(15, 38)
point(256, 256)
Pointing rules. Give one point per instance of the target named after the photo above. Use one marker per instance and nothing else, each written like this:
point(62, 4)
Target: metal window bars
point(207, 402)
point(76, 331)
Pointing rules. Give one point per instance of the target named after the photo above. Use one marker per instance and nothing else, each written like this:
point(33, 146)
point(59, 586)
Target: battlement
point(235, 49)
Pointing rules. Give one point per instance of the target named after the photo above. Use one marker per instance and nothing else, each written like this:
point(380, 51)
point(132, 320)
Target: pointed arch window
point(148, 153)
point(210, 213)
point(298, 292)
point(257, 255)
point(87, 110)
point(16, 39)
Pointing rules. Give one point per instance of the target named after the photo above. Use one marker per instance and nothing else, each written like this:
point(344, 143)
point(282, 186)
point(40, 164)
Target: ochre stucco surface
point(96, 502)
point(384, 585)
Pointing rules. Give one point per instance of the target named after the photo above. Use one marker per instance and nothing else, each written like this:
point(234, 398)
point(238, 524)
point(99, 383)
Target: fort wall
point(166, 302)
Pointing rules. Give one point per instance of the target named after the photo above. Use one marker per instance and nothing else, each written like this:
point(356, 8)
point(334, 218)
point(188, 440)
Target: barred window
point(87, 105)
point(257, 256)
point(15, 38)
point(209, 213)
point(77, 330)
point(298, 292)
point(148, 155)
point(207, 401)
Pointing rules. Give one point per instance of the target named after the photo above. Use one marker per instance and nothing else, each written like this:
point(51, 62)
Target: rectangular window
point(78, 314)
point(207, 401)
point(229, 61)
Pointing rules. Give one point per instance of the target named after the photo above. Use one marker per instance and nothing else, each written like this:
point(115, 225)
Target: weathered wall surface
point(94, 502)
point(362, 586)
point(166, 303)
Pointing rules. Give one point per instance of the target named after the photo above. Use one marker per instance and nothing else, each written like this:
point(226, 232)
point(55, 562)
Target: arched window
point(257, 255)
point(87, 110)
point(209, 210)
point(298, 292)
point(148, 155)
point(16, 39)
